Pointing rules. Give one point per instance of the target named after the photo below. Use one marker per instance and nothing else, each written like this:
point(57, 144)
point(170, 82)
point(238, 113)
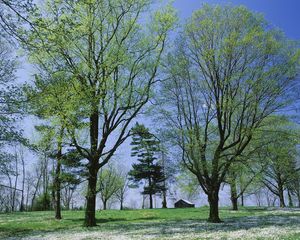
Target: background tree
point(294, 186)
point(281, 168)
point(187, 185)
point(227, 73)
point(123, 189)
point(109, 183)
point(240, 177)
point(146, 147)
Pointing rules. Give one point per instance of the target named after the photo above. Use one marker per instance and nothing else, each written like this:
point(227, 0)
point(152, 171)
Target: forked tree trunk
point(213, 199)
point(90, 219)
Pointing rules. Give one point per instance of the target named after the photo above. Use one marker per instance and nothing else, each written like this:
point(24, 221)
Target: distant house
point(182, 203)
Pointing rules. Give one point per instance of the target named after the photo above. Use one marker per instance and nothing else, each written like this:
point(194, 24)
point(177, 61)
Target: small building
point(182, 203)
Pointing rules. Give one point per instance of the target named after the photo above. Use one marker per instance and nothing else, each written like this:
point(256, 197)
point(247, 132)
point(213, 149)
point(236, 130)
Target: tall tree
point(145, 148)
point(228, 72)
point(110, 60)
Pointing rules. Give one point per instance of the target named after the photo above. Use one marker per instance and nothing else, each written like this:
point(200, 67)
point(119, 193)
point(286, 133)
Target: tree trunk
point(104, 204)
point(150, 194)
point(298, 196)
point(291, 204)
point(90, 219)
point(57, 189)
point(22, 208)
point(242, 200)
point(90, 211)
point(36, 189)
point(143, 202)
point(151, 201)
point(121, 203)
point(57, 177)
point(164, 202)
point(234, 202)
point(213, 199)
point(234, 198)
point(281, 196)
point(16, 181)
point(53, 186)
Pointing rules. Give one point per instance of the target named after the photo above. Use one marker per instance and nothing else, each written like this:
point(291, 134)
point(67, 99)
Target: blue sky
point(284, 14)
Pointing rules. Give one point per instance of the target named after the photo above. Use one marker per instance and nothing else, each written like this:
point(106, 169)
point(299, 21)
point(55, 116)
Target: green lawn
point(248, 223)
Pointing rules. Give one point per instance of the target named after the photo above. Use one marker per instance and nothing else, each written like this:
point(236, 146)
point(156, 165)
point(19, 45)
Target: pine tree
point(145, 148)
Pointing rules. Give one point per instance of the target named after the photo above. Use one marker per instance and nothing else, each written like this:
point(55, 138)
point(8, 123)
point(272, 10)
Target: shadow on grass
point(169, 228)
point(156, 226)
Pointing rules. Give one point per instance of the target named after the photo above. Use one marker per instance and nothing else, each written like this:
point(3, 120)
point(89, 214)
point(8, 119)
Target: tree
point(145, 148)
point(10, 111)
point(121, 193)
point(228, 72)
point(294, 186)
point(187, 184)
point(72, 174)
point(241, 176)
point(110, 183)
point(110, 60)
point(281, 168)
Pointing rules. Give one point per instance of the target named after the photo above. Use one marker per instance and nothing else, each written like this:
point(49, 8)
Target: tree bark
point(22, 208)
point(298, 197)
point(150, 194)
point(151, 201)
point(90, 212)
point(164, 202)
point(291, 204)
point(104, 204)
point(234, 197)
point(58, 177)
point(143, 202)
point(16, 181)
point(213, 199)
point(242, 200)
point(57, 189)
point(121, 205)
point(90, 219)
point(281, 196)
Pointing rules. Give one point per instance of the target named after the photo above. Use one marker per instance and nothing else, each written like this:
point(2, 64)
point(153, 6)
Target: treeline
point(214, 95)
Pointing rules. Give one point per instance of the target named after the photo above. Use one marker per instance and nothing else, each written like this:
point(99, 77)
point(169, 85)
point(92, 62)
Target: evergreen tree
point(145, 148)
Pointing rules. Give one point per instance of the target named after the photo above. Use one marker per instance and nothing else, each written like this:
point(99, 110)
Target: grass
point(248, 223)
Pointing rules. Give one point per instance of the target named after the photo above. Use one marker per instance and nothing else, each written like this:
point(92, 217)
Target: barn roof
point(186, 201)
